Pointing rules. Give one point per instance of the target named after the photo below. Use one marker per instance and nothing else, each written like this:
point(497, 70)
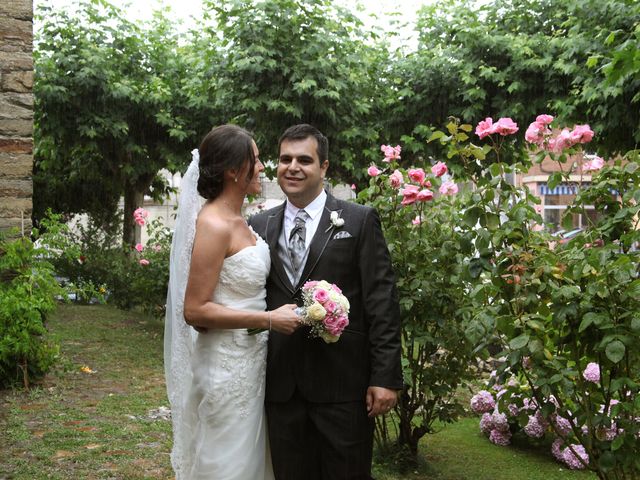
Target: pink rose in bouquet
point(325, 310)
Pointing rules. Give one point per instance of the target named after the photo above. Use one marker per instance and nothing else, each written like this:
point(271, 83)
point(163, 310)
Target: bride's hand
point(285, 319)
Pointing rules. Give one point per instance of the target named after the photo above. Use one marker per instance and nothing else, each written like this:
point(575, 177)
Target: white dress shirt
point(314, 210)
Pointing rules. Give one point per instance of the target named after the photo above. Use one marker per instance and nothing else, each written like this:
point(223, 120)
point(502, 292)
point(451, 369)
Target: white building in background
point(271, 196)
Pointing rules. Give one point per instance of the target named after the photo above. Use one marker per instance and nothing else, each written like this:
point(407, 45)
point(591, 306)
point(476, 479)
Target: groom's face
point(300, 173)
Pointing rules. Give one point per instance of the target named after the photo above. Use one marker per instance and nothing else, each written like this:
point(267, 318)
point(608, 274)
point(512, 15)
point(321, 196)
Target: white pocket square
point(342, 234)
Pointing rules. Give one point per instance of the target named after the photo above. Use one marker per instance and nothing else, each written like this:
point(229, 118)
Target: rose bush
point(476, 267)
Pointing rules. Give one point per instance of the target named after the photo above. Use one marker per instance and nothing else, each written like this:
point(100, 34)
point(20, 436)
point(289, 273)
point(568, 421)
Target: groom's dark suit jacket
point(368, 352)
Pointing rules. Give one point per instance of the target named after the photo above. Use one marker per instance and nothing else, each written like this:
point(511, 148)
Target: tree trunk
point(130, 229)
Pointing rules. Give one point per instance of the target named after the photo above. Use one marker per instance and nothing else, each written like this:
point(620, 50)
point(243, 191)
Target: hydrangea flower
point(486, 423)
point(500, 437)
point(573, 459)
point(482, 402)
point(592, 373)
point(535, 428)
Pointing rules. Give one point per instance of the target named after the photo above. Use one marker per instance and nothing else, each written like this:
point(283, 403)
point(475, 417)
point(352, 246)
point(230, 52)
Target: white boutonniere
point(336, 220)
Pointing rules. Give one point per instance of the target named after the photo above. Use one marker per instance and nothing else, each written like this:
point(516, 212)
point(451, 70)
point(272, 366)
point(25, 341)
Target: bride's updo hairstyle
point(224, 148)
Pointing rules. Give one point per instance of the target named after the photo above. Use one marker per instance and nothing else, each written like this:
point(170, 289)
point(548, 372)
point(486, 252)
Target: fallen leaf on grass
point(86, 369)
point(92, 446)
point(39, 433)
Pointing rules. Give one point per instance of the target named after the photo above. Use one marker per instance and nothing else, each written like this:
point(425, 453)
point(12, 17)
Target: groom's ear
point(323, 167)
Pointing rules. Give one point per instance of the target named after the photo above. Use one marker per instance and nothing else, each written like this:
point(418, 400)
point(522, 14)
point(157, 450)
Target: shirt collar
point(313, 209)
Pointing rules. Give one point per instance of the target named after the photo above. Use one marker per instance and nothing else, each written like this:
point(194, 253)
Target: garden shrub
point(125, 277)
point(28, 291)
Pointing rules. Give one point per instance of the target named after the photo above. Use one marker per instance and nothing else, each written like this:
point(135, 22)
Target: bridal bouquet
point(325, 310)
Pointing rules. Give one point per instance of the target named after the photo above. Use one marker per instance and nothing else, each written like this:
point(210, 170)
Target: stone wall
point(16, 113)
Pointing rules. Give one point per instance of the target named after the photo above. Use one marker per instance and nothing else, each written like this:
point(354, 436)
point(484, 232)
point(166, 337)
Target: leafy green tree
point(292, 61)
point(515, 58)
point(109, 113)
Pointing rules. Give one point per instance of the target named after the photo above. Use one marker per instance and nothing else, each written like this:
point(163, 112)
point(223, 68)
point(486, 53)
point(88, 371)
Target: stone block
point(16, 145)
point(17, 32)
point(16, 105)
point(16, 187)
point(21, 82)
point(18, 127)
point(16, 165)
point(22, 9)
point(11, 207)
point(11, 61)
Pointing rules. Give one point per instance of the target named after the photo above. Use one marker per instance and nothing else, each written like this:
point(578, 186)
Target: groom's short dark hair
point(304, 130)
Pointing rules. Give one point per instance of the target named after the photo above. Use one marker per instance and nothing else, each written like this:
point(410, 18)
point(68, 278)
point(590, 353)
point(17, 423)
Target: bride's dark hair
point(224, 148)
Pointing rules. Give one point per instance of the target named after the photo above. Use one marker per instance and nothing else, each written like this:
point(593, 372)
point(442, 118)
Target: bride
point(215, 371)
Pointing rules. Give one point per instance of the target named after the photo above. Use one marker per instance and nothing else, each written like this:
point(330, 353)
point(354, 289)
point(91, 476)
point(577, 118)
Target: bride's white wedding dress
point(223, 426)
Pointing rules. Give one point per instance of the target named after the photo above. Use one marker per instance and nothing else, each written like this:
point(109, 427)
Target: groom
point(321, 398)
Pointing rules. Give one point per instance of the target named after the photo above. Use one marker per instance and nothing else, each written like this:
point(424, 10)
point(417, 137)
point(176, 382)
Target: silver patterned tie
point(297, 246)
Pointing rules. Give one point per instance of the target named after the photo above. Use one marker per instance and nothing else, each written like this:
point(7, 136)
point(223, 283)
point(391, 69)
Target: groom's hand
point(380, 400)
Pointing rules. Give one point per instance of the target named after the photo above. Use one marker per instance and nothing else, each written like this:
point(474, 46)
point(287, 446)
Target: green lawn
point(100, 423)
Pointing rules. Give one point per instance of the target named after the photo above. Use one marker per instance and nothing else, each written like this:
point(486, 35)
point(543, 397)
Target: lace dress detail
point(224, 424)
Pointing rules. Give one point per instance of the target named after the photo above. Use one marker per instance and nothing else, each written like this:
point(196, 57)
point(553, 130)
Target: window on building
point(555, 202)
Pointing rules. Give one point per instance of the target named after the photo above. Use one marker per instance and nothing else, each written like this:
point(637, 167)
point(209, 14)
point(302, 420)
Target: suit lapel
point(320, 239)
point(273, 231)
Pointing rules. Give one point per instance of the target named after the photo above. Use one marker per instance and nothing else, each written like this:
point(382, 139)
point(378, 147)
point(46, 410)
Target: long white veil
point(179, 337)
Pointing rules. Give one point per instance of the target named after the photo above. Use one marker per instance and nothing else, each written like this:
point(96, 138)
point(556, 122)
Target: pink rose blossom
point(424, 195)
point(139, 215)
point(573, 461)
point(310, 284)
point(330, 306)
point(505, 126)
point(439, 169)
point(544, 119)
point(335, 288)
point(482, 402)
point(396, 179)
point(448, 188)
point(535, 133)
point(321, 295)
point(592, 373)
point(391, 153)
point(139, 247)
point(485, 128)
point(417, 175)
point(353, 186)
point(417, 220)
point(426, 184)
point(374, 171)
point(500, 437)
point(143, 261)
point(582, 134)
point(409, 193)
point(593, 165)
point(562, 141)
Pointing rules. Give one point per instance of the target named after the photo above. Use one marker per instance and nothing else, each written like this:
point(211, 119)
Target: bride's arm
point(210, 247)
